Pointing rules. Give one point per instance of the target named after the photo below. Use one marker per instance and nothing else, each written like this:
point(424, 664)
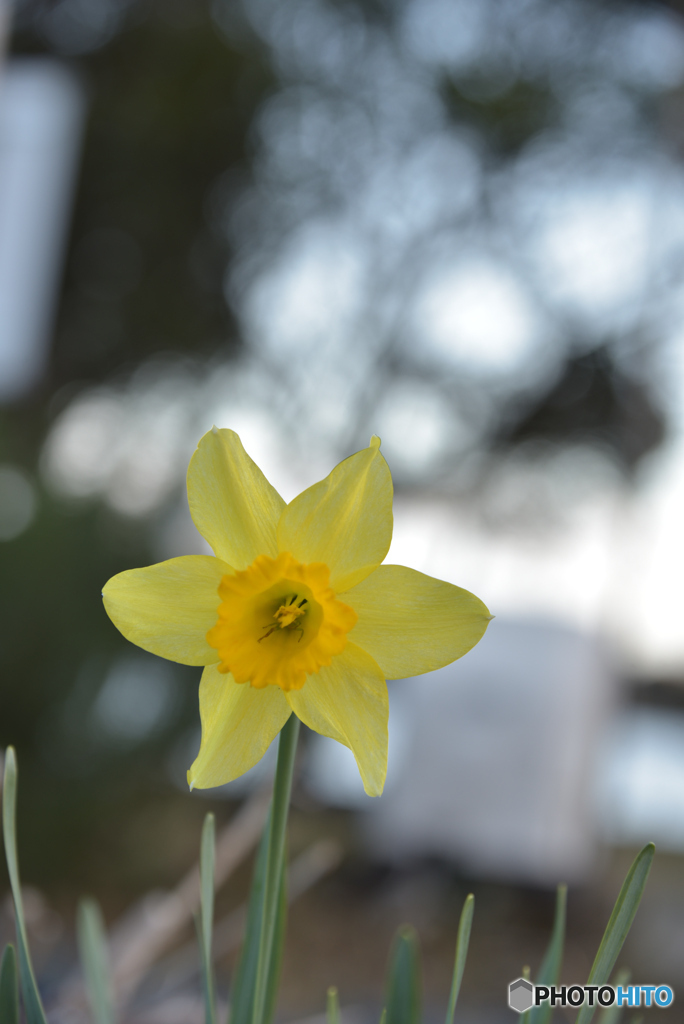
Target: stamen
point(286, 616)
point(271, 630)
point(305, 601)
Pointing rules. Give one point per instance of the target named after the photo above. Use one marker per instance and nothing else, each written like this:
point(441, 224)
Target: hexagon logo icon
point(520, 995)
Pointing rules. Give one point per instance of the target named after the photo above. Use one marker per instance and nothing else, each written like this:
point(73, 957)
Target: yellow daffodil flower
point(294, 612)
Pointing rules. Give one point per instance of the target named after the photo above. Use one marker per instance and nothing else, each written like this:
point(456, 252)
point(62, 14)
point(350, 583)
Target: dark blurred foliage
point(593, 402)
point(507, 119)
point(58, 646)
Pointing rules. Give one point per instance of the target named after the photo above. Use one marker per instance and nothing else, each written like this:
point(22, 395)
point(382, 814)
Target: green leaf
point(242, 995)
point(620, 922)
point(207, 856)
point(462, 942)
point(403, 984)
point(29, 990)
point(9, 987)
point(92, 944)
point(549, 972)
point(612, 1014)
point(332, 1010)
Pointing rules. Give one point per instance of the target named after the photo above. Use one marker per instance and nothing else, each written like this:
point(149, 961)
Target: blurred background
point(458, 224)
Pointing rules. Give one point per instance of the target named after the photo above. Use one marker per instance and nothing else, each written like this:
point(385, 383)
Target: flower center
point(287, 616)
point(278, 622)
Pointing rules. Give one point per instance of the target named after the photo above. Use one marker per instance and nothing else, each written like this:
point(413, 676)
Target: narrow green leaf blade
point(242, 995)
point(33, 1005)
point(613, 1014)
point(207, 858)
point(525, 1017)
point(9, 987)
point(403, 984)
point(462, 942)
point(92, 944)
point(549, 972)
point(275, 961)
point(332, 1010)
point(619, 924)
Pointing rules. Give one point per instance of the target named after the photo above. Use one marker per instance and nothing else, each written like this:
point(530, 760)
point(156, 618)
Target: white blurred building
point(496, 757)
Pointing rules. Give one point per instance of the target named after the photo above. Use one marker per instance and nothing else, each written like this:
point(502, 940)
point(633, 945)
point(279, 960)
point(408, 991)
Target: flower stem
point(282, 787)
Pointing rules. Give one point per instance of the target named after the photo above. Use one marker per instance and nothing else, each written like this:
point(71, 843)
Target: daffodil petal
point(232, 503)
point(238, 725)
point(167, 608)
point(348, 701)
point(411, 623)
point(344, 520)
